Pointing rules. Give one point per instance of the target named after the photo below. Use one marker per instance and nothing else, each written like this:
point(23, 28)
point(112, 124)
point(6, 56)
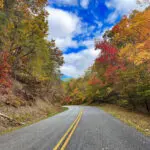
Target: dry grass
point(27, 115)
point(135, 119)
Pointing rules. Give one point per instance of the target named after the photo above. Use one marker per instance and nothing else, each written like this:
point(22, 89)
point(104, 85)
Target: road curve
point(96, 130)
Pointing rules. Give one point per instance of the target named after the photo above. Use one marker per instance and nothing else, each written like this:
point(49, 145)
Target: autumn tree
point(34, 61)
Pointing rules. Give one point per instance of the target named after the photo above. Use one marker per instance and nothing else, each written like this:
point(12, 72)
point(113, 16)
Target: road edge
point(7, 131)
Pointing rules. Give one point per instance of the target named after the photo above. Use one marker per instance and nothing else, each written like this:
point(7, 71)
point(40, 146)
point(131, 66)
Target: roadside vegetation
point(24, 116)
point(121, 73)
point(30, 83)
point(135, 119)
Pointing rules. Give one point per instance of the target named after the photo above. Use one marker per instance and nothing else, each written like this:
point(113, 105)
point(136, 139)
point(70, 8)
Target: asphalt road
point(96, 130)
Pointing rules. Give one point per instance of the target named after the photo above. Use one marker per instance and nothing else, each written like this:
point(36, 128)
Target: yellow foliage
point(1, 3)
point(142, 57)
point(137, 52)
point(126, 51)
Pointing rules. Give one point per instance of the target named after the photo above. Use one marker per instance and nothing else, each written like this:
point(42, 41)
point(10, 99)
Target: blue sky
point(75, 24)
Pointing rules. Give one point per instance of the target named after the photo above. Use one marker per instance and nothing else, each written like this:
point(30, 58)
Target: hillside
point(30, 84)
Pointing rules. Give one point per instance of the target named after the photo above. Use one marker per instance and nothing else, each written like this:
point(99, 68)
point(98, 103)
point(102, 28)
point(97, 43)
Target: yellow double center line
point(62, 144)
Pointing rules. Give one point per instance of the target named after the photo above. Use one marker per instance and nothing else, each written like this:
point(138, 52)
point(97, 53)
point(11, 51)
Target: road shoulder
point(140, 121)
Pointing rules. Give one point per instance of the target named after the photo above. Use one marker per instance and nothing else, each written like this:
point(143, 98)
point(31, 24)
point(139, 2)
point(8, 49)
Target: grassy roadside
point(137, 120)
point(33, 120)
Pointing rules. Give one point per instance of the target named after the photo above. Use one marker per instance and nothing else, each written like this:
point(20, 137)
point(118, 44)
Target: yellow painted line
point(65, 135)
point(67, 132)
point(71, 133)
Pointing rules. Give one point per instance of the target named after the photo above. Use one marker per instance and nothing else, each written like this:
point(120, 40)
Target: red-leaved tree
point(94, 81)
point(116, 29)
point(111, 72)
point(5, 70)
point(108, 52)
point(109, 57)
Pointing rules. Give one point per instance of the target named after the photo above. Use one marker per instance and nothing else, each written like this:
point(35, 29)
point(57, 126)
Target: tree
point(108, 52)
point(5, 70)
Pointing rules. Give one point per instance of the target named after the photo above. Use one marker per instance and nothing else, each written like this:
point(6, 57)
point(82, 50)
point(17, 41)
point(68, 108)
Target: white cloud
point(63, 27)
point(63, 43)
point(100, 24)
point(84, 3)
point(77, 63)
point(143, 2)
point(122, 7)
point(88, 43)
point(112, 17)
point(65, 2)
point(87, 29)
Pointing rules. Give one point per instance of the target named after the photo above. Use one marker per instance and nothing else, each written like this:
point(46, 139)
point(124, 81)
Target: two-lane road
point(96, 130)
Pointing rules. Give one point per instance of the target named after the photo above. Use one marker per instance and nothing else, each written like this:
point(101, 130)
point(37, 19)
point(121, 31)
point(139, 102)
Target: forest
point(31, 85)
point(121, 73)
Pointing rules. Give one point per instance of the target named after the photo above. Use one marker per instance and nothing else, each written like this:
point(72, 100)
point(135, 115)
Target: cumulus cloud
point(84, 3)
point(122, 7)
point(88, 43)
point(63, 27)
point(77, 63)
point(63, 43)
